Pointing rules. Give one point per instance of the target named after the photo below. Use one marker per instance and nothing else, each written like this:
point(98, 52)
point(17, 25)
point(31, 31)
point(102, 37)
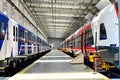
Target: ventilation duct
point(89, 16)
point(102, 4)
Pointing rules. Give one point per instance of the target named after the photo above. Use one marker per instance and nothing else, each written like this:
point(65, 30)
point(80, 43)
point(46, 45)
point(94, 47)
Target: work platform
point(56, 66)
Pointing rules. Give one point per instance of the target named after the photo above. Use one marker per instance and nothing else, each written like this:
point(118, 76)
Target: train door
point(15, 40)
point(83, 42)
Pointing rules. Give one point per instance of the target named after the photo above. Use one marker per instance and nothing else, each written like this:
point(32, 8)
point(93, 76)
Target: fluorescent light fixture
point(60, 6)
point(54, 14)
point(89, 16)
point(52, 31)
point(59, 20)
point(50, 27)
point(58, 24)
point(102, 4)
point(69, 2)
point(58, 30)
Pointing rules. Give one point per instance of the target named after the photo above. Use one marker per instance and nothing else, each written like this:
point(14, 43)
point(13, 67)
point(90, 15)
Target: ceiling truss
point(60, 18)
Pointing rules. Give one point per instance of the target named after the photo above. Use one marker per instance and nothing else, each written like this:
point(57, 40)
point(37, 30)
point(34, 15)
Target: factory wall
point(55, 42)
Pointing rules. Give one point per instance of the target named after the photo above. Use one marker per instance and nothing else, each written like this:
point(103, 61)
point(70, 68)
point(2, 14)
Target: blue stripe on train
point(4, 18)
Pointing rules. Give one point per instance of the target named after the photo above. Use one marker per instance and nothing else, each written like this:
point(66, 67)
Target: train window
point(21, 33)
point(68, 43)
point(25, 35)
point(35, 39)
point(76, 44)
point(89, 37)
point(103, 34)
point(77, 41)
point(29, 36)
point(32, 38)
point(72, 43)
point(38, 40)
point(2, 31)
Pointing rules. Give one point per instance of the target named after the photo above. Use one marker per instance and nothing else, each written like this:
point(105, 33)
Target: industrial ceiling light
point(59, 20)
point(101, 4)
point(89, 16)
point(67, 15)
point(59, 6)
point(58, 24)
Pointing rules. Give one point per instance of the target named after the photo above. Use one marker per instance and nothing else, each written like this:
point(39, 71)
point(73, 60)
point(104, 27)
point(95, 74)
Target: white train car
point(105, 32)
point(16, 42)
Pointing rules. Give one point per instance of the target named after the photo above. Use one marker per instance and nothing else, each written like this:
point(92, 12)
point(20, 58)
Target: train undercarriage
point(18, 61)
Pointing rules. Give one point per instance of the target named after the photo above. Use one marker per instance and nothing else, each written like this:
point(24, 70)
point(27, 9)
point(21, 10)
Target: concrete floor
point(56, 66)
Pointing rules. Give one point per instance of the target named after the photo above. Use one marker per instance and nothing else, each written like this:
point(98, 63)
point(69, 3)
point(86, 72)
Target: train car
point(105, 27)
point(16, 42)
point(99, 38)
